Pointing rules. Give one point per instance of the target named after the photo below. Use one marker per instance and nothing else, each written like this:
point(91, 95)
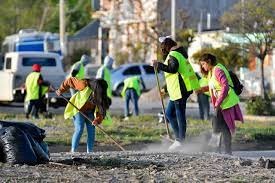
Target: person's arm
point(221, 78)
point(172, 66)
point(142, 83)
point(74, 83)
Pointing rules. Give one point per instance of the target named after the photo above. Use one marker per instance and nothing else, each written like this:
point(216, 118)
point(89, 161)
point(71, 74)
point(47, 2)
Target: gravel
point(140, 167)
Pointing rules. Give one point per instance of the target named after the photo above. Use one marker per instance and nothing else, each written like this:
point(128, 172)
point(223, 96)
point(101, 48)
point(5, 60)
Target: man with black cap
point(36, 87)
point(180, 80)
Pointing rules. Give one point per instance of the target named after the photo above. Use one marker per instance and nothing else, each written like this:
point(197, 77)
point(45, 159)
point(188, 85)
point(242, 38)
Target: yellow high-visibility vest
point(232, 98)
point(187, 73)
point(78, 99)
point(81, 72)
point(131, 82)
point(32, 86)
point(107, 78)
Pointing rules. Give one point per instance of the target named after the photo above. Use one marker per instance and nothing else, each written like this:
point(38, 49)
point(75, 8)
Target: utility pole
point(173, 19)
point(62, 26)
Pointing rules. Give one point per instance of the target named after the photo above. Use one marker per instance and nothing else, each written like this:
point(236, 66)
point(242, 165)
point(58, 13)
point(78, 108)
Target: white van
point(16, 67)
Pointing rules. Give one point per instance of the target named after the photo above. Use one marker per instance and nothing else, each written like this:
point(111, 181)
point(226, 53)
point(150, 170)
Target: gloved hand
point(98, 120)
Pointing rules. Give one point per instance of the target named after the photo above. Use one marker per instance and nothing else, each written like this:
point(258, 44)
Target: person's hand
point(198, 91)
point(58, 93)
point(162, 93)
point(154, 63)
point(96, 122)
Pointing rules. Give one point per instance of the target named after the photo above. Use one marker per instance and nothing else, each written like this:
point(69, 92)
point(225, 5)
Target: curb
point(259, 118)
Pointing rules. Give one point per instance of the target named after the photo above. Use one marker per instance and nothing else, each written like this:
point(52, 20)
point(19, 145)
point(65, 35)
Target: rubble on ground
point(140, 167)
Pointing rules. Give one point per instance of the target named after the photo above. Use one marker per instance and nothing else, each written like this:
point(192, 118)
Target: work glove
point(98, 120)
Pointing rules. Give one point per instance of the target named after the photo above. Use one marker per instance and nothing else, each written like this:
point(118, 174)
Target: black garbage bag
point(36, 133)
point(16, 147)
point(42, 156)
point(2, 155)
point(45, 147)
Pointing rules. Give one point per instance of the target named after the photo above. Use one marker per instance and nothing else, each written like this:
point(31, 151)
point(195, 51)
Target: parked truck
point(32, 40)
point(16, 67)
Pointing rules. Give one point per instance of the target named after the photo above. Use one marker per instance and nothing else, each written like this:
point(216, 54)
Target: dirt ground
point(140, 167)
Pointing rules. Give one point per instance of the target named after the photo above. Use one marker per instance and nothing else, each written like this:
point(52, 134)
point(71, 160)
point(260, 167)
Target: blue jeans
point(204, 106)
point(131, 94)
point(79, 122)
point(175, 113)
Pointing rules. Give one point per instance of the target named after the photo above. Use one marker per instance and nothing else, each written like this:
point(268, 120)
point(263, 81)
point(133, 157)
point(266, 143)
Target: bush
point(259, 106)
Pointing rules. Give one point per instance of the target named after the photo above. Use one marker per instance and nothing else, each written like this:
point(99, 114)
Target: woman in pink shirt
point(223, 97)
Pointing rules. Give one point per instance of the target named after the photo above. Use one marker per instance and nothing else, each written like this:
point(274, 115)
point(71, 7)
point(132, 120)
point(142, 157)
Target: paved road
point(117, 107)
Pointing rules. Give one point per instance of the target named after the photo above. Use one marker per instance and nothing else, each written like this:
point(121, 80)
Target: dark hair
point(100, 98)
point(209, 58)
point(167, 44)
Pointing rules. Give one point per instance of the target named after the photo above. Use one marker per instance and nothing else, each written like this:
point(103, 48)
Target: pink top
point(231, 114)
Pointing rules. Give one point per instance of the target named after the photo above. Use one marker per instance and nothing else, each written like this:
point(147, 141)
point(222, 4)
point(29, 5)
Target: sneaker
point(126, 119)
point(215, 140)
point(175, 145)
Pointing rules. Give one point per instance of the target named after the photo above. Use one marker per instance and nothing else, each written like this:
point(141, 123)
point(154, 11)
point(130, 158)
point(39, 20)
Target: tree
point(226, 55)
point(42, 15)
point(253, 20)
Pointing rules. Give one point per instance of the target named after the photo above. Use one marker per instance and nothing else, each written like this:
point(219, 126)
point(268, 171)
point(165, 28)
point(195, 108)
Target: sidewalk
point(192, 109)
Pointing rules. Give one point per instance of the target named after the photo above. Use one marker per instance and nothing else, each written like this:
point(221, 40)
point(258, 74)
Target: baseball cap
point(162, 38)
point(36, 67)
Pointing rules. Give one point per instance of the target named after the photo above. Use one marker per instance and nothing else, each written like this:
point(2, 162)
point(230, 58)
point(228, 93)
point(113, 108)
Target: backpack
point(237, 85)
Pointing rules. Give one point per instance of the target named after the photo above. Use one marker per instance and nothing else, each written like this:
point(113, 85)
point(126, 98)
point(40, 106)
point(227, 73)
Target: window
point(135, 70)
point(8, 63)
point(50, 62)
point(149, 69)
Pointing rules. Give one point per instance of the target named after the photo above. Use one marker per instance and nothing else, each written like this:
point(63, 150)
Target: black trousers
point(219, 126)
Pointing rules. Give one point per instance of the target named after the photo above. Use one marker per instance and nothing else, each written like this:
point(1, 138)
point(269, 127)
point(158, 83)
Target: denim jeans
point(204, 106)
point(79, 122)
point(175, 113)
point(131, 95)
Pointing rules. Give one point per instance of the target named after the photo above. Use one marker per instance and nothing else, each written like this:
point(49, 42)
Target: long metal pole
point(173, 19)
point(162, 105)
point(62, 26)
point(100, 128)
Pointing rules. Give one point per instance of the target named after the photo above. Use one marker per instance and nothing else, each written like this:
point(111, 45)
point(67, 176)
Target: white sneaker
point(126, 119)
point(175, 145)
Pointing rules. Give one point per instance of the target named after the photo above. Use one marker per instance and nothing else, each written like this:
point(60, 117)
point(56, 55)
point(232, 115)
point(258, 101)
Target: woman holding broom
point(92, 100)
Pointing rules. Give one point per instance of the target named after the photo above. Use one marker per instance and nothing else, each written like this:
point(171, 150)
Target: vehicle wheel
point(119, 90)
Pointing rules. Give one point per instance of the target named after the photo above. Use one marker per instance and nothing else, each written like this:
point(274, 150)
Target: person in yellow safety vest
point(203, 99)
point(223, 97)
point(36, 87)
point(78, 69)
point(181, 80)
point(104, 72)
point(91, 98)
point(131, 92)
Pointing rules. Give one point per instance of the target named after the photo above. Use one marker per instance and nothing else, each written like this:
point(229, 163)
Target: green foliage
point(43, 15)
point(253, 21)
point(78, 15)
point(185, 37)
point(227, 55)
point(259, 106)
point(75, 57)
point(121, 57)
